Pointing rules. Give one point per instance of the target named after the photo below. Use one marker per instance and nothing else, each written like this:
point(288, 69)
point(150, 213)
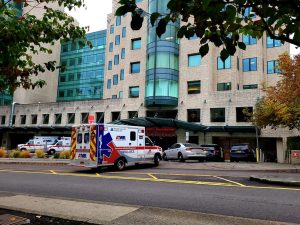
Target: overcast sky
point(95, 16)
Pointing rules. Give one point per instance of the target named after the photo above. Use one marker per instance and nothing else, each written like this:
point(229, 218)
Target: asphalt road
point(216, 192)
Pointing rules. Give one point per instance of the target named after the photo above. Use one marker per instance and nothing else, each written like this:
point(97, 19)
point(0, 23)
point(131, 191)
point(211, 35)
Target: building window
point(62, 78)
point(45, 118)
point(272, 43)
point(217, 114)
point(72, 62)
point(114, 96)
point(111, 47)
point(116, 60)
point(23, 119)
point(250, 86)
point(108, 83)
point(33, 119)
point(123, 32)
point(194, 87)
point(224, 65)
point(71, 77)
point(3, 118)
point(61, 94)
point(123, 53)
point(84, 117)
point(70, 93)
point(100, 117)
point(57, 118)
point(112, 29)
point(115, 79)
point(135, 67)
point(65, 47)
point(110, 65)
point(71, 118)
point(117, 40)
point(134, 92)
point(224, 86)
point(136, 43)
point(248, 12)
point(194, 60)
point(250, 64)
point(118, 20)
point(14, 120)
point(132, 114)
point(121, 94)
point(115, 116)
point(193, 115)
point(248, 39)
point(243, 114)
point(122, 74)
point(272, 67)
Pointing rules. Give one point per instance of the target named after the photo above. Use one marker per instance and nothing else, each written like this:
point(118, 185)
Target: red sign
point(161, 131)
point(91, 119)
point(295, 154)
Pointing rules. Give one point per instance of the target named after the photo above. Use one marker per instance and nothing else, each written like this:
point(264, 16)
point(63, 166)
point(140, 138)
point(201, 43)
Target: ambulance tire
point(120, 164)
point(156, 160)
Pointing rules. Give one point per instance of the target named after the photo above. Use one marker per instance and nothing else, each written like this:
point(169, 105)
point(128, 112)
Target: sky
point(95, 13)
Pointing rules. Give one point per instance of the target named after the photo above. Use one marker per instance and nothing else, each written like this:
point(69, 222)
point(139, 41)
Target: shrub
point(3, 153)
point(14, 154)
point(40, 153)
point(56, 155)
point(25, 154)
point(64, 155)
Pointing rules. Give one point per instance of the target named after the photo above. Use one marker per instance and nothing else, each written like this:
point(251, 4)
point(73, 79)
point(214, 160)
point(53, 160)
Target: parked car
point(242, 152)
point(215, 152)
point(184, 151)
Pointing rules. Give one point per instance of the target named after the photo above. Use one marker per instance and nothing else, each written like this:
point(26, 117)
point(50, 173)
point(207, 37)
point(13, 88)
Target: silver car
point(183, 151)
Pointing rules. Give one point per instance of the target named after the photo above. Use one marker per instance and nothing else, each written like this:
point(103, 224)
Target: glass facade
point(84, 74)
point(162, 61)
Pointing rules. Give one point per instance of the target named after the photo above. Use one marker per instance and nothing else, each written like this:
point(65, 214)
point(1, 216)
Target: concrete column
point(281, 146)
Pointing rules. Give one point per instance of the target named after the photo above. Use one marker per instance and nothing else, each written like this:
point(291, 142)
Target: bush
point(64, 155)
point(3, 153)
point(14, 154)
point(40, 153)
point(25, 154)
point(56, 155)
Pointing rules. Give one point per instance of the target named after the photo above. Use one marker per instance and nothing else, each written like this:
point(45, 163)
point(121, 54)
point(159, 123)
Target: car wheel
point(165, 158)
point(156, 160)
point(120, 164)
point(180, 157)
point(51, 151)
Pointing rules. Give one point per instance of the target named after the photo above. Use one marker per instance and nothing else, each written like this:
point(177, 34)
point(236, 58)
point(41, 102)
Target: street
point(228, 193)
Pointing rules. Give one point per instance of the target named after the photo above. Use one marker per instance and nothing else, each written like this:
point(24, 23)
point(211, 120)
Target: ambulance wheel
point(120, 164)
point(51, 151)
point(156, 160)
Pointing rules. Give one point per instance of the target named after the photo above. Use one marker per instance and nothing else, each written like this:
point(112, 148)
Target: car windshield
point(239, 147)
point(190, 145)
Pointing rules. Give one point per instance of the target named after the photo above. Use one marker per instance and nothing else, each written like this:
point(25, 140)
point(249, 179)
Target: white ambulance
point(61, 144)
point(95, 145)
point(37, 143)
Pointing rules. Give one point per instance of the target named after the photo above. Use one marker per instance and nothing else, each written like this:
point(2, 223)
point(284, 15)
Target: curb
point(278, 181)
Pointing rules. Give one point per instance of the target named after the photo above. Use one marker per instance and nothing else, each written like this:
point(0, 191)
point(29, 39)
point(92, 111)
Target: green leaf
point(161, 27)
point(224, 54)
point(205, 3)
point(242, 45)
point(122, 10)
point(154, 17)
point(204, 49)
point(136, 21)
point(231, 12)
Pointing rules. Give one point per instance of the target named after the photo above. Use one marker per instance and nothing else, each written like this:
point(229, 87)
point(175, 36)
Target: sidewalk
point(191, 165)
point(116, 214)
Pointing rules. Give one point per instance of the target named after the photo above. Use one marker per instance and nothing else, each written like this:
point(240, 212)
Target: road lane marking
point(149, 174)
point(153, 180)
point(230, 181)
point(52, 171)
point(98, 175)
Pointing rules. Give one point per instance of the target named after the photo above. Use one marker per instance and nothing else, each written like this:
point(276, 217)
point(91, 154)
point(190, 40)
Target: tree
point(22, 36)
point(222, 22)
point(281, 104)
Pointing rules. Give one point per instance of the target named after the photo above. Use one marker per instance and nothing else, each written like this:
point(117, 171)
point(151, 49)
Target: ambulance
point(96, 145)
point(61, 144)
point(37, 143)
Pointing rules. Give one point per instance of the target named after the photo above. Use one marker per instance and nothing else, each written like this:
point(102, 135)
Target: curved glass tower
point(162, 61)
